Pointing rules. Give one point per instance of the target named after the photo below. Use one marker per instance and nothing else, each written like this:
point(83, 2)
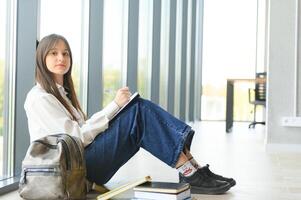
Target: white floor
point(241, 155)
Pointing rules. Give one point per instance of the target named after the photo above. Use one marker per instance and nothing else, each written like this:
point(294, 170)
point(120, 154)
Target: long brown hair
point(44, 77)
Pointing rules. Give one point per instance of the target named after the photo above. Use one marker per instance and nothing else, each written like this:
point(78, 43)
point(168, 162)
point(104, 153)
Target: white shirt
point(46, 116)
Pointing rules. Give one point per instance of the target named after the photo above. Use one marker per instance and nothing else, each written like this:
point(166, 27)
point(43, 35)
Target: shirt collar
point(59, 87)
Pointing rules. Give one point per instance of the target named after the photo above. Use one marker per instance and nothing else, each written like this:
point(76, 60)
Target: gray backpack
point(54, 168)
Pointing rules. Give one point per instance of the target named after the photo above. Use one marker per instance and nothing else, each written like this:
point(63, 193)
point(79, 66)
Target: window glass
point(229, 52)
point(188, 56)
point(65, 17)
point(198, 55)
point(3, 14)
point(114, 47)
point(261, 37)
point(165, 17)
point(178, 57)
point(145, 47)
point(7, 77)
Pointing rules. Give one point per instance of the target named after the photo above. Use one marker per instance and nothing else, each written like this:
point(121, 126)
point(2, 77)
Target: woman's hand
point(122, 96)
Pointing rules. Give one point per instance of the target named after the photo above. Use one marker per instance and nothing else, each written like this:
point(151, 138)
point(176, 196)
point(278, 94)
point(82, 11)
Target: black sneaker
point(206, 169)
point(201, 183)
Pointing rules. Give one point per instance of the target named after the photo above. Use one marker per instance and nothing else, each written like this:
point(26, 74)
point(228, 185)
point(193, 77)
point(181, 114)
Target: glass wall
point(145, 47)
point(165, 17)
point(3, 9)
point(232, 40)
point(71, 25)
point(7, 95)
point(114, 47)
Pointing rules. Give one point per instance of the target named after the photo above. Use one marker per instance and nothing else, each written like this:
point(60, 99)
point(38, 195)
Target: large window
point(165, 17)
point(68, 18)
point(229, 51)
point(145, 47)
point(7, 68)
point(114, 47)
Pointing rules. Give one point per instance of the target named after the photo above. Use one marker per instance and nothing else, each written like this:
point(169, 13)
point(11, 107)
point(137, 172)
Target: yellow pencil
point(123, 188)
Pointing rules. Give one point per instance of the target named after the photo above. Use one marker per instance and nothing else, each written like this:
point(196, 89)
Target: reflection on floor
point(240, 155)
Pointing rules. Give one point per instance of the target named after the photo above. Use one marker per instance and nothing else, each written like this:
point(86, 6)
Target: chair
point(259, 96)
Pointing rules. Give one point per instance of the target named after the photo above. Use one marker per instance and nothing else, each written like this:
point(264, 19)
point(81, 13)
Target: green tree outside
point(111, 83)
point(143, 77)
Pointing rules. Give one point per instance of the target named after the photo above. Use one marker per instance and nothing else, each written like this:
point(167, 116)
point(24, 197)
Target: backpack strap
point(74, 145)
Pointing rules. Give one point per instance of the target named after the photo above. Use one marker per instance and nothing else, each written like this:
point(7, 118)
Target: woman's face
point(58, 61)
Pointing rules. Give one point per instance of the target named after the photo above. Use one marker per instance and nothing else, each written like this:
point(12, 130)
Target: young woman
point(52, 107)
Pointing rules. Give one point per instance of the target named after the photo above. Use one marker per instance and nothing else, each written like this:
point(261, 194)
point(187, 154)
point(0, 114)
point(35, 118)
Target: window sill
point(9, 184)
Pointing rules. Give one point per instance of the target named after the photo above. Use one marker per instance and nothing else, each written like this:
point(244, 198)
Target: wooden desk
point(230, 97)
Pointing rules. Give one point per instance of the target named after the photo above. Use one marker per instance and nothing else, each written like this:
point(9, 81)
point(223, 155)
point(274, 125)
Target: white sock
point(194, 163)
point(187, 169)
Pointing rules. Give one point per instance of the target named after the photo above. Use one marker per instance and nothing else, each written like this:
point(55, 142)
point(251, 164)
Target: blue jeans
point(141, 124)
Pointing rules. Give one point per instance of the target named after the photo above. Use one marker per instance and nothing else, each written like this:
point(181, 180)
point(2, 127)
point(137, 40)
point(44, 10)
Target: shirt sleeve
point(110, 110)
point(46, 115)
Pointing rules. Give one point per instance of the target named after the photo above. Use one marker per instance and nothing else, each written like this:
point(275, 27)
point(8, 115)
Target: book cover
point(163, 196)
point(134, 96)
point(162, 187)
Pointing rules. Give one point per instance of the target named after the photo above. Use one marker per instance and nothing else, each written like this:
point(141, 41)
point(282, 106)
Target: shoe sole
point(221, 190)
point(232, 183)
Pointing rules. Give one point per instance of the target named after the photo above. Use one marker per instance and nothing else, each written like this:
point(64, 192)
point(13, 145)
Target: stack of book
point(162, 191)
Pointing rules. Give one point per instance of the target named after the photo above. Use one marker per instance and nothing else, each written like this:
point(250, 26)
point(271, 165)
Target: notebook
point(184, 195)
point(134, 96)
point(163, 191)
point(165, 187)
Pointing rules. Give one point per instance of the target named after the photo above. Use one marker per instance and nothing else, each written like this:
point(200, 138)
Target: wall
point(281, 76)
